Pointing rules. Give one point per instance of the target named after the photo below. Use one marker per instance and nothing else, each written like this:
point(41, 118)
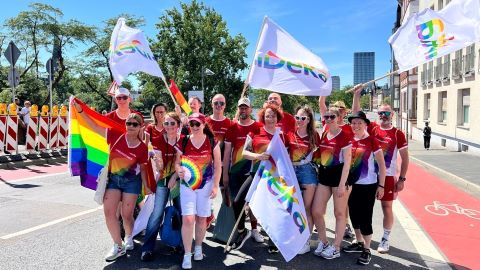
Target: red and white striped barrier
point(11, 143)
point(62, 131)
point(53, 135)
point(43, 133)
point(31, 137)
point(3, 129)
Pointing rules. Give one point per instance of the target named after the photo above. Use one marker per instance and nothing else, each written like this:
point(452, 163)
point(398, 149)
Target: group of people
point(354, 162)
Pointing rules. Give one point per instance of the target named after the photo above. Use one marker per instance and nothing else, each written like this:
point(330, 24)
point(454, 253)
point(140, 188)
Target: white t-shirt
point(26, 114)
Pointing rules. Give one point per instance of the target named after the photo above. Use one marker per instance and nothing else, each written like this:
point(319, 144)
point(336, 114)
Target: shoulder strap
point(212, 143)
point(184, 143)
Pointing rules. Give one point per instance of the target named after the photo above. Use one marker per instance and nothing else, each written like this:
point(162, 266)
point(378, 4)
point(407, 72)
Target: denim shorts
point(306, 174)
point(129, 184)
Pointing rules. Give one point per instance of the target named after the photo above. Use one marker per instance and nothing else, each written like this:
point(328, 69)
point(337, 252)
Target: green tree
point(191, 39)
point(387, 100)
point(289, 102)
point(341, 95)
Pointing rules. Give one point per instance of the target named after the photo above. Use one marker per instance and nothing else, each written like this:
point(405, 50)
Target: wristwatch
point(401, 178)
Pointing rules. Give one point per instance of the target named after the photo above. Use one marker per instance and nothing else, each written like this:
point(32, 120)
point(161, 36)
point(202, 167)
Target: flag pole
point(374, 80)
point(245, 84)
point(234, 228)
point(169, 91)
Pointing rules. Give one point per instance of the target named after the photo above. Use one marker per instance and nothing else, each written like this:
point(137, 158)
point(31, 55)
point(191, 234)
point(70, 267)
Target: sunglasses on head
point(331, 117)
point(122, 97)
point(301, 117)
point(194, 124)
point(385, 113)
point(172, 123)
point(132, 124)
point(219, 103)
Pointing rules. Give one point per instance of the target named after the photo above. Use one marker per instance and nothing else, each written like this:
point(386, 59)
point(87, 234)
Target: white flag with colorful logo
point(130, 52)
point(276, 201)
point(432, 34)
point(282, 64)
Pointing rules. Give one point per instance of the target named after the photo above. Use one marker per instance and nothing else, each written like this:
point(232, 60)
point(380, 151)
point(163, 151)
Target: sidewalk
point(458, 167)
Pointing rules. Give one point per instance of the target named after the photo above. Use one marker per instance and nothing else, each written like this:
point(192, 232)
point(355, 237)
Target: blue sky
point(334, 30)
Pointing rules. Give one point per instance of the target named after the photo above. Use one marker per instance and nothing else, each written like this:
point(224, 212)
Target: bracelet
point(381, 186)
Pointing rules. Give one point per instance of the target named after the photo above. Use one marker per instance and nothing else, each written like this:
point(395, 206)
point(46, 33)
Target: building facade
point(363, 67)
point(335, 83)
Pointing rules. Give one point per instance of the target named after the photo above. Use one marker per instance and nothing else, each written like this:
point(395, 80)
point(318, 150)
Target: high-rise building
point(335, 83)
point(363, 67)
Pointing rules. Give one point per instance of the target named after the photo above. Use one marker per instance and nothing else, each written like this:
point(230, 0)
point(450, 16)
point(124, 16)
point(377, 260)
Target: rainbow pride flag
point(87, 150)
point(179, 98)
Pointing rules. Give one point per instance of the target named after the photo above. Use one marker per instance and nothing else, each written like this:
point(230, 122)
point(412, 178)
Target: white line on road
point(8, 236)
point(422, 243)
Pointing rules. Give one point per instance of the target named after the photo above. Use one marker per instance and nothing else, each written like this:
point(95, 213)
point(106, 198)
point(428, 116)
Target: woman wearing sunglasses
point(126, 172)
point(255, 147)
point(333, 157)
point(155, 130)
point(165, 154)
point(303, 142)
point(195, 199)
point(122, 99)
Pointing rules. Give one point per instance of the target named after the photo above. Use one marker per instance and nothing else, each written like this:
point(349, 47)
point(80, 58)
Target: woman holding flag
point(198, 165)
point(126, 172)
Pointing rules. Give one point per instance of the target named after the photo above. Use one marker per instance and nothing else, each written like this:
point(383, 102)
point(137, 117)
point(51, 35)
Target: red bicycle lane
point(31, 171)
point(450, 216)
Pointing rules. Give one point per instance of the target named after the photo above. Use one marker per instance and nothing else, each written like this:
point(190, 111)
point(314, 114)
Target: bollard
point(43, 129)
point(63, 127)
point(32, 129)
point(11, 142)
point(53, 128)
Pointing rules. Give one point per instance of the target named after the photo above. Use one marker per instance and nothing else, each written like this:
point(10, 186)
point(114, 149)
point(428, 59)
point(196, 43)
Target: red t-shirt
point(288, 123)
point(154, 134)
point(300, 148)
point(219, 127)
point(390, 140)
point(363, 152)
point(330, 150)
point(168, 154)
point(236, 135)
point(346, 128)
point(114, 116)
point(125, 160)
point(260, 142)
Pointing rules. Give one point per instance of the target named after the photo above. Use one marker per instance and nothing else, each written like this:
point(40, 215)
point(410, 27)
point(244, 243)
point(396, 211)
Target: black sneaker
point(355, 247)
point(147, 256)
point(241, 239)
point(349, 234)
point(272, 249)
point(365, 257)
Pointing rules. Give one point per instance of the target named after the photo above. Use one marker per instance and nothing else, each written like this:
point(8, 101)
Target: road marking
point(36, 228)
point(422, 243)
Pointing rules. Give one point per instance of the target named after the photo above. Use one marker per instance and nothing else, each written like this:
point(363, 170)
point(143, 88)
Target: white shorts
point(196, 202)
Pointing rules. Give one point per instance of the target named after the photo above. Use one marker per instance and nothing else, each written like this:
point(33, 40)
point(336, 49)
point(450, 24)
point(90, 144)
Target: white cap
point(122, 92)
point(244, 101)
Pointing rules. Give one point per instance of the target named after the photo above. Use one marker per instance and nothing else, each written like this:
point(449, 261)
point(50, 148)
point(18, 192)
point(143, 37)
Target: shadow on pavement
point(19, 185)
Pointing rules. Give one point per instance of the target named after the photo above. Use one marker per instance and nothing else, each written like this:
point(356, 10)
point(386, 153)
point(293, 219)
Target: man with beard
point(236, 170)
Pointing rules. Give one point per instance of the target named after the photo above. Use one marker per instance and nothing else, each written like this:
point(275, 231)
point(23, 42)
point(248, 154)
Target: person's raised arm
point(357, 92)
point(321, 105)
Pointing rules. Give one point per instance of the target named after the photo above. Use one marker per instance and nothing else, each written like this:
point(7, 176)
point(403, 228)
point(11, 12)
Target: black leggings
point(240, 194)
point(360, 205)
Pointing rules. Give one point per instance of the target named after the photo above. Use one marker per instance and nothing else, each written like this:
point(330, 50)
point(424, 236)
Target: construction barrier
point(63, 127)
point(53, 128)
point(31, 137)
point(11, 142)
point(43, 129)
point(3, 125)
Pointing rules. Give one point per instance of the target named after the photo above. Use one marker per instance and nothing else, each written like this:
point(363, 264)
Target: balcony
point(446, 71)
point(438, 75)
point(430, 76)
point(423, 78)
point(469, 64)
point(457, 69)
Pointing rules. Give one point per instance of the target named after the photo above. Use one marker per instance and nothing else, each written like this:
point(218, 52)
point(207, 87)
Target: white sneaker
point(187, 261)
point(257, 236)
point(115, 252)
point(305, 249)
point(330, 252)
point(197, 254)
point(129, 242)
point(384, 246)
point(321, 246)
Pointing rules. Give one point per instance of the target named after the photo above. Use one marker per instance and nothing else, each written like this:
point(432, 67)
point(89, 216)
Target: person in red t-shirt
point(154, 130)
point(123, 99)
point(126, 172)
point(342, 108)
point(287, 124)
point(393, 143)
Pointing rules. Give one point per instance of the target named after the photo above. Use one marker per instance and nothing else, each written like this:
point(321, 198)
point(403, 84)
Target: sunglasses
point(132, 124)
point(122, 97)
point(219, 103)
point(194, 124)
point(331, 117)
point(303, 118)
point(173, 123)
point(385, 113)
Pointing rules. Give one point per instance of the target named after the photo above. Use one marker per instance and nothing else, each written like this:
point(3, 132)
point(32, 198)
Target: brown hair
point(154, 107)
point(139, 120)
point(274, 108)
point(311, 131)
point(175, 117)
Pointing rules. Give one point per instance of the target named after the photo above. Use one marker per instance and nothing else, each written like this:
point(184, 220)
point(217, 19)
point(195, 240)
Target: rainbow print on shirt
point(359, 162)
point(432, 37)
point(193, 174)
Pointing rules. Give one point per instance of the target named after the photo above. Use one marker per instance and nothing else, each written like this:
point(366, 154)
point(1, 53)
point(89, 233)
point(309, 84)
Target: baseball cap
point(197, 117)
point(122, 92)
point(244, 101)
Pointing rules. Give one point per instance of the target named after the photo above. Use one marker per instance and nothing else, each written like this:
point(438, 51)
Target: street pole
point(50, 75)
point(12, 69)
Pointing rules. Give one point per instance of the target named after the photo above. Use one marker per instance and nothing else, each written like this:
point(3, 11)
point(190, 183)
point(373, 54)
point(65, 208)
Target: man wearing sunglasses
point(393, 142)
point(122, 99)
point(287, 124)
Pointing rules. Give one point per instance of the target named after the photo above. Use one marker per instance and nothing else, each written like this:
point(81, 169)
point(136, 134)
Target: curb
point(29, 162)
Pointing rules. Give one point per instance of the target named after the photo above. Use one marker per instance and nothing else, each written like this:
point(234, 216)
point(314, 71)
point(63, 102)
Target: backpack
point(170, 232)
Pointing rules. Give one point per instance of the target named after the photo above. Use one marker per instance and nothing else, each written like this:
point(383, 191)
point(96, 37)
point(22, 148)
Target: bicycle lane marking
point(32, 172)
point(452, 233)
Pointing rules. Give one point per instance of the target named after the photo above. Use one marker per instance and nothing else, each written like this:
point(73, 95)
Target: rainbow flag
point(179, 98)
point(87, 150)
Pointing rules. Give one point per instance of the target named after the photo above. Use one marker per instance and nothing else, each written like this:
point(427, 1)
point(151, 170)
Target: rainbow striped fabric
point(87, 150)
point(179, 98)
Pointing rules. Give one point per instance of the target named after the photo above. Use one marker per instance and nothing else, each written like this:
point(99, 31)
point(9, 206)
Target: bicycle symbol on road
point(443, 209)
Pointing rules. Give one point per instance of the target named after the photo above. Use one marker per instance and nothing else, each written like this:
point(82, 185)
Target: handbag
point(171, 230)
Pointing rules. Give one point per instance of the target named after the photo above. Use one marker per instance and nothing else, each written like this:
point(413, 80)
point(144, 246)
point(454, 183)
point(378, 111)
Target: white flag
point(276, 200)
point(282, 64)
point(130, 52)
point(431, 34)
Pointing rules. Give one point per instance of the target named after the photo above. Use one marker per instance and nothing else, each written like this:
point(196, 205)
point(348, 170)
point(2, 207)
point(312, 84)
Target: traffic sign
point(51, 66)
point(12, 53)
point(13, 78)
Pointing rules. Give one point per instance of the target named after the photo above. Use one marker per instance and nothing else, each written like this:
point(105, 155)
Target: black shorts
point(330, 176)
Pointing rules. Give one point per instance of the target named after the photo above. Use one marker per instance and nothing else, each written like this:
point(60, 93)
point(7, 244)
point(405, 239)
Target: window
point(404, 102)
point(463, 107)
point(440, 4)
point(426, 107)
point(442, 107)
